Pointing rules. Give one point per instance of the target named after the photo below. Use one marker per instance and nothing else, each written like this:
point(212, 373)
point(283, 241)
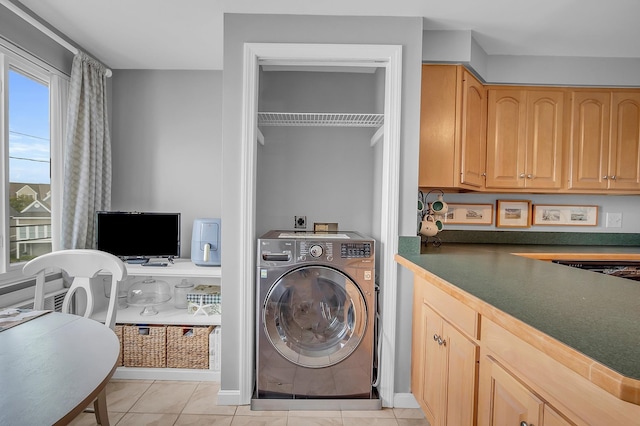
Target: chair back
point(82, 265)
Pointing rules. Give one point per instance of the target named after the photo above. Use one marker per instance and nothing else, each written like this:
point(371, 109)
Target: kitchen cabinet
point(523, 373)
point(445, 360)
point(624, 161)
point(521, 383)
point(525, 128)
point(452, 128)
point(512, 403)
point(605, 140)
point(526, 138)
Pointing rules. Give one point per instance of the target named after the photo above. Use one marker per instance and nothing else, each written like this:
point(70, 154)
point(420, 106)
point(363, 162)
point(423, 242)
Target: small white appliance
point(205, 242)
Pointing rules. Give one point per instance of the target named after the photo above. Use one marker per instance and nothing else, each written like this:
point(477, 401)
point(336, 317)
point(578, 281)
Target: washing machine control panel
point(355, 250)
point(315, 250)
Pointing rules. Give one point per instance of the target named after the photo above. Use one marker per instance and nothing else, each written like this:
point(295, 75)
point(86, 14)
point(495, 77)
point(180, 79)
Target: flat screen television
point(138, 235)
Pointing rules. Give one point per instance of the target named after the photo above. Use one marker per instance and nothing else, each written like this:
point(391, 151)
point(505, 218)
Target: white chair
point(82, 265)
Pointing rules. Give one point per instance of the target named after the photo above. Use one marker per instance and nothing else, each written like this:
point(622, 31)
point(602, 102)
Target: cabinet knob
point(484, 174)
point(523, 423)
point(436, 337)
point(529, 176)
point(521, 175)
point(613, 177)
point(605, 177)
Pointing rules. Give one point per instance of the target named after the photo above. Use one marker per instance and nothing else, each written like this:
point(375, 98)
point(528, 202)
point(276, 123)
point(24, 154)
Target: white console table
point(167, 315)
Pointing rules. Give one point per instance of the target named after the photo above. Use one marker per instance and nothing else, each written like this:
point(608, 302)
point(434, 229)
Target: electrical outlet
point(614, 220)
point(300, 222)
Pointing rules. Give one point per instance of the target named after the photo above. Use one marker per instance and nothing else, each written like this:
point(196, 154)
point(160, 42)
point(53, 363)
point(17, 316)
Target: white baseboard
point(404, 400)
point(229, 397)
point(400, 400)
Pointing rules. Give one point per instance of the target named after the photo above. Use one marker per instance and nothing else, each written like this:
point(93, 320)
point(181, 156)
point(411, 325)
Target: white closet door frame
point(349, 55)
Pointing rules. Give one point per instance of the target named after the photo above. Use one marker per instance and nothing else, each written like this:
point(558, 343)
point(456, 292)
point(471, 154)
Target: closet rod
point(46, 31)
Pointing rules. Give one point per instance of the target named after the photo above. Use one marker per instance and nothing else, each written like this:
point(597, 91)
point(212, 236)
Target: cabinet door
point(524, 138)
point(473, 131)
point(544, 135)
point(552, 418)
point(453, 109)
point(590, 139)
point(461, 377)
point(433, 362)
point(624, 160)
point(510, 403)
point(506, 138)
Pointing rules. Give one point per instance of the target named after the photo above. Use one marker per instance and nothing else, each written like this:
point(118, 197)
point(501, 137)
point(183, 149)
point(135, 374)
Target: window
point(30, 124)
point(29, 165)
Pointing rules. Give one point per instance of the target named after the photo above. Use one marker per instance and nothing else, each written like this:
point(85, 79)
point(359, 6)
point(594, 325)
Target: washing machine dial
point(316, 250)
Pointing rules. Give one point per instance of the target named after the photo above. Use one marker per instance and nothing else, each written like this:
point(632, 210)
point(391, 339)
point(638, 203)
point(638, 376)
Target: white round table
point(52, 367)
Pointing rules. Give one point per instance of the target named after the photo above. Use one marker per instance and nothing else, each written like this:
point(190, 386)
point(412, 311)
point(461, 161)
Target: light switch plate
point(614, 220)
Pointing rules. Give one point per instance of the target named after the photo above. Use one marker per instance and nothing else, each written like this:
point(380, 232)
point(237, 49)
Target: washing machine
point(316, 310)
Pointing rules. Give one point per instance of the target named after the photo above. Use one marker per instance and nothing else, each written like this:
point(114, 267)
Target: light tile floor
point(149, 402)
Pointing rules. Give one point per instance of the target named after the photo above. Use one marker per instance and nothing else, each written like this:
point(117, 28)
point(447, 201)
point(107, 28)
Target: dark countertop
point(593, 313)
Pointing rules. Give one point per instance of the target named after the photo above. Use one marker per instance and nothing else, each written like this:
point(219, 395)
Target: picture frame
point(513, 214)
point(565, 215)
point(469, 214)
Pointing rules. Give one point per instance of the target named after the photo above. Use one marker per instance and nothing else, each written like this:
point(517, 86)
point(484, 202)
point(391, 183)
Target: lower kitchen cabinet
point(474, 364)
point(445, 365)
point(523, 385)
point(508, 402)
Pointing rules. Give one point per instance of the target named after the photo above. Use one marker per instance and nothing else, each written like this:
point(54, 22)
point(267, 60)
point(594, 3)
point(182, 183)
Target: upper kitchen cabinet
point(605, 141)
point(524, 138)
point(452, 128)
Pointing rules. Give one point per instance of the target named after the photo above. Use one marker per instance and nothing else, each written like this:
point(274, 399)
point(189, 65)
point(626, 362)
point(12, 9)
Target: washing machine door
point(314, 316)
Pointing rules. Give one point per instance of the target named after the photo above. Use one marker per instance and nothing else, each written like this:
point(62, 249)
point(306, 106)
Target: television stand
point(168, 315)
point(155, 263)
point(136, 260)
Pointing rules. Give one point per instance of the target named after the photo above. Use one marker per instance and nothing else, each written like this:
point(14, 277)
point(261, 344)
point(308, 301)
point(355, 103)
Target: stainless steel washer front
point(315, 316)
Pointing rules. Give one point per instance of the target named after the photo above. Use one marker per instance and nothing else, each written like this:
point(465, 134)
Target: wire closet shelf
point(319, 119)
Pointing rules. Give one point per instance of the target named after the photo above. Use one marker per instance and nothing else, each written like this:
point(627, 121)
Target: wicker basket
point(188, 347)
point(118, 330)
point(145, 346)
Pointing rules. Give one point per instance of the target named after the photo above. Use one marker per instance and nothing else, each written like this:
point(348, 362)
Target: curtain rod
point(46, 31)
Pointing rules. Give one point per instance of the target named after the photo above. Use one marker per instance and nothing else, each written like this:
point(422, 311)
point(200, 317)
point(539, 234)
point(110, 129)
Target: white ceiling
point(187, 34)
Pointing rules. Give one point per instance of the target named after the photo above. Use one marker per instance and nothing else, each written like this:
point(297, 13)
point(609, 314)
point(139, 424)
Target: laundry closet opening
point(319, 154)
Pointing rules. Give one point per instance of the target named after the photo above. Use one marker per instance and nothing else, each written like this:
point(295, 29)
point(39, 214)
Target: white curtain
point(87, 177)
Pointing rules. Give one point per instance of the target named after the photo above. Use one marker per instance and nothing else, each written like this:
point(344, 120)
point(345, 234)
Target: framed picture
point(565, 215)
point(469, 214)
point(513, 214)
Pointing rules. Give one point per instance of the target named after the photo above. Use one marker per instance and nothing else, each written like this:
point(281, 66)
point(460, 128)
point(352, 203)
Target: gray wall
point(311, 29)
point(324, 173)
point(27, 37)
point(166, 142)
point(453, 46)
